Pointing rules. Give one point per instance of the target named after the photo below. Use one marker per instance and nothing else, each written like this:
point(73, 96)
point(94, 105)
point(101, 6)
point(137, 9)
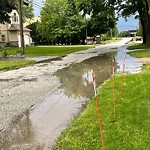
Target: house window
point(15, 17)
point(3, 38)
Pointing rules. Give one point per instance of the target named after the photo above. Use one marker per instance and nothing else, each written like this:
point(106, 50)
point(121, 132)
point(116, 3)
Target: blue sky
point(130, 24)
point(122, 25)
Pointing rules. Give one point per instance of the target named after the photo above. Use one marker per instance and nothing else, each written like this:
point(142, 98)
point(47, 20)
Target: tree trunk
point(143, 31)
point(147, 32)
point(145, 22)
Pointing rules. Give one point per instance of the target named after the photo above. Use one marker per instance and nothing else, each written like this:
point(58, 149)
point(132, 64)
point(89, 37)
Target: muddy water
point(76, 81)
point(37, 128)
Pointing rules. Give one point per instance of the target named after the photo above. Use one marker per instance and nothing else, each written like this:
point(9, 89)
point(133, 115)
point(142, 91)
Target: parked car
point(138, 38)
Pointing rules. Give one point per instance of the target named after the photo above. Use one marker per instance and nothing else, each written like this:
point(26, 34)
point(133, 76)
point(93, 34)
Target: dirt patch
point(145, 60)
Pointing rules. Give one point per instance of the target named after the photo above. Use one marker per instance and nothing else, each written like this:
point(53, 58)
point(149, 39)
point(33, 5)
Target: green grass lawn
point(144, 52)
point(48, 51)
point(13, 64)
point(38, 51)
point(132, 129)
point(140, 54)
point(138, 46)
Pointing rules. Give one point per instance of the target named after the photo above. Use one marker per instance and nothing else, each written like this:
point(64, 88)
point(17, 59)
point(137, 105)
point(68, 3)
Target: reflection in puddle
point(88, 78)
point(37, 129)
point(131, 64)
point(76, 80)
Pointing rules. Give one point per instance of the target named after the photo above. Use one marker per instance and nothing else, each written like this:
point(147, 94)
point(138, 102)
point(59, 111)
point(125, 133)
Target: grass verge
point(138, 46)
point(37, 51)
point(132, 129)
point(140, 54)
point(47, 51)
point(13, 64)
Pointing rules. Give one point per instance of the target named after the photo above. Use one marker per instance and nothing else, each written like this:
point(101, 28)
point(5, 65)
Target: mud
point(144, 60)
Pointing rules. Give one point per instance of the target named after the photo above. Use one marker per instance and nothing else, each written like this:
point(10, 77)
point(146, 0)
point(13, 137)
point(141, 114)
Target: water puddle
point(38, 128)
point(74, 79)
point(131, 64)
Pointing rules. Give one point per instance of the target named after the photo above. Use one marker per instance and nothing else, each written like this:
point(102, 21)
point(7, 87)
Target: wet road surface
point(38, 102)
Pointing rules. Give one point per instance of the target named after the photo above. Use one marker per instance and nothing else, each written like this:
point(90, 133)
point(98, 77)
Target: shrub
point(4, 53)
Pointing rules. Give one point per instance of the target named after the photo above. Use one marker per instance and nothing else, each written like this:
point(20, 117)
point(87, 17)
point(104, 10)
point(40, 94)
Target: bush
point(4, 53)
point(19, 53)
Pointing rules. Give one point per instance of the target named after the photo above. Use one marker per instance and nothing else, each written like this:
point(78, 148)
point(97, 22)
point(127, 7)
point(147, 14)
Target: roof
point(16, 27)
point(132, 30)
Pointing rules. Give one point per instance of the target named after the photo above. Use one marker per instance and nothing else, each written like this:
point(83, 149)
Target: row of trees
point(66, 21)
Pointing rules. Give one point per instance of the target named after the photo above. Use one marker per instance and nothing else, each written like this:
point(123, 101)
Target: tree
point(102, 16)
point(52, 20)
point(27, 10)
point(6, 7)
point(61, 22)
point(35, 34)
point(124, 34)
point(142, 7)
point(75, 23)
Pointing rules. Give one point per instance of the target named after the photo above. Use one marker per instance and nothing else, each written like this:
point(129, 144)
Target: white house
point(10, 32)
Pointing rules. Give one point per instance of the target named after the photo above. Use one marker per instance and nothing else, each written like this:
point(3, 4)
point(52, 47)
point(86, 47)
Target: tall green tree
point(61, 22)
point(35, 34)
point(6, 7)
point(52, 20)
point(102, 16)
point(27, 10)
point(75, 23)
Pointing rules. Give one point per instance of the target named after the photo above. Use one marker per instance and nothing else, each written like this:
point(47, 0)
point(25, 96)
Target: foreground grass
point(132, 129)
point(48, 51)
point(13, 64)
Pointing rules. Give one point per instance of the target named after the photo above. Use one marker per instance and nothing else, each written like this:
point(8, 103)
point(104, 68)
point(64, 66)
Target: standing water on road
point(36, 128)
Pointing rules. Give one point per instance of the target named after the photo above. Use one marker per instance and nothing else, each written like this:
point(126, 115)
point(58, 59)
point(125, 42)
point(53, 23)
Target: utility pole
point(86, 31)
point(111, 33)
point(21, 27)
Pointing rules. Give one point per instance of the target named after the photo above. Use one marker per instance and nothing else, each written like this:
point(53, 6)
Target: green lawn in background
point(138, 46)
point(48, 51)
point(12, 64)
point(140, 54)
point(132, 129)
point(38, 51)
point(143, 52)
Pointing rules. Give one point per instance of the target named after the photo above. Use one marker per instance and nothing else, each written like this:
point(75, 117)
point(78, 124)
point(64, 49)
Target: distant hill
point(129, 25)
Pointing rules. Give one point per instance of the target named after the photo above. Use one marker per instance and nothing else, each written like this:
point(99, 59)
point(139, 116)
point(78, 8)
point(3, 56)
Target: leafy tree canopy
point(64, 20)
point(6, 7)
point(142, 7)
